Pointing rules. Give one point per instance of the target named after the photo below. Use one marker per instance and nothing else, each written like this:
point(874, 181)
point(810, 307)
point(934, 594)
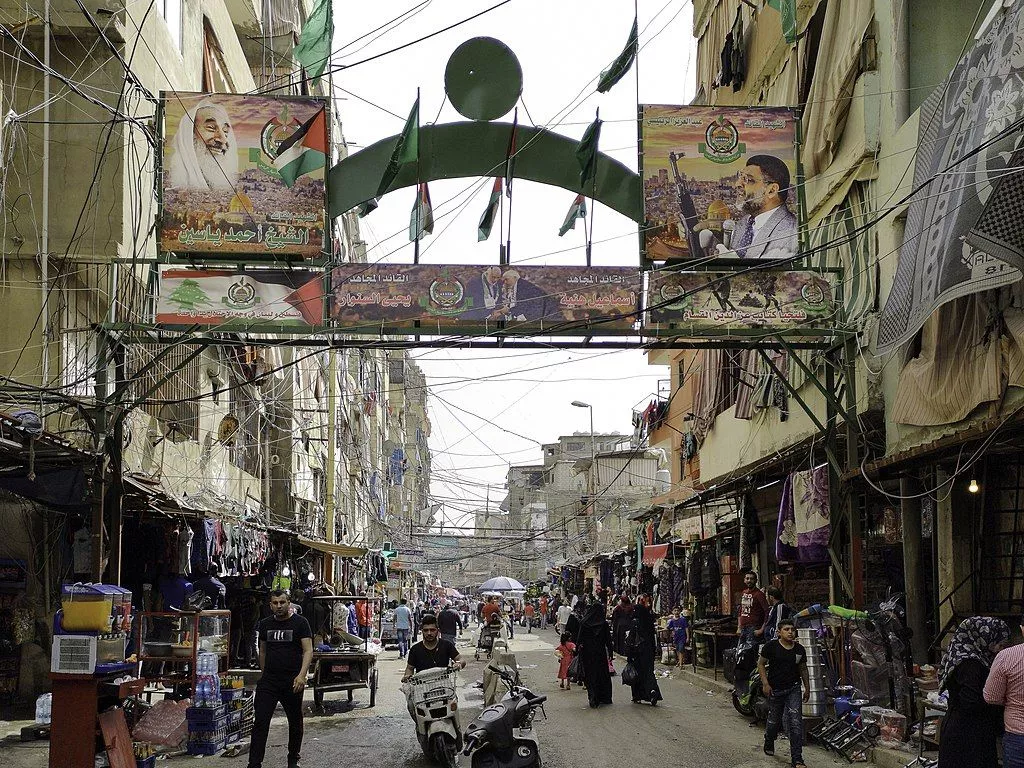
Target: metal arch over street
point(477, 149)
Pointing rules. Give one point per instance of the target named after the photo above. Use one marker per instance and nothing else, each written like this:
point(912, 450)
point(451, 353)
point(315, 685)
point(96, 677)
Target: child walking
point(565, 651)
point(680, 628)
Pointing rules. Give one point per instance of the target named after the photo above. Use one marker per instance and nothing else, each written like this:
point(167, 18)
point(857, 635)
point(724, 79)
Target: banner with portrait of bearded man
point(205, 153)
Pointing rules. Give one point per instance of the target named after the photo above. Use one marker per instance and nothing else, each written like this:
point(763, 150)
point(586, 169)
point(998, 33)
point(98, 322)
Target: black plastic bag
point(629, 674)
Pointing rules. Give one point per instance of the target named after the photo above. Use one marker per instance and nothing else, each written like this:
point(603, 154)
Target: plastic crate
point(233, 737)
point(210, 732)
point(234, 720)
point(147, 762)
point(206, 748)
point(203, 715)
point(231, 694)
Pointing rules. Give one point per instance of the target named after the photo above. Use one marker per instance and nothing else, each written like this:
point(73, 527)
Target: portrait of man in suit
point(767, 229)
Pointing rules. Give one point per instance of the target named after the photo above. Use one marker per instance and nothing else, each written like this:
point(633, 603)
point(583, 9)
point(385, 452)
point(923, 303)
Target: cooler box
point(86, 608)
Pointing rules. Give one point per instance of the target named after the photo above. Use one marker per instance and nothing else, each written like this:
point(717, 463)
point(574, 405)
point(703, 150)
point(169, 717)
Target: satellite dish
point(175, 421)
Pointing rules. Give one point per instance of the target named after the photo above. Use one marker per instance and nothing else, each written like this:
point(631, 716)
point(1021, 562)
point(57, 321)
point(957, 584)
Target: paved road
point(689, 729)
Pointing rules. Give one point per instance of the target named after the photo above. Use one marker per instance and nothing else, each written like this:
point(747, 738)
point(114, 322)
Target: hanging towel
point(804, 526)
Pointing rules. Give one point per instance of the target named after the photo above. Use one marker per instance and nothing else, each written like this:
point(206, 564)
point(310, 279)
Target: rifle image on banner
point(687, 211)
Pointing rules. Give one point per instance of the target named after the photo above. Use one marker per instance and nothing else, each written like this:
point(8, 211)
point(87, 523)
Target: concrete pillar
point(913, 571)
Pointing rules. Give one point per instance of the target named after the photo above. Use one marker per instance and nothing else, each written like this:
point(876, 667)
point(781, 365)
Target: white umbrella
point(502, 584)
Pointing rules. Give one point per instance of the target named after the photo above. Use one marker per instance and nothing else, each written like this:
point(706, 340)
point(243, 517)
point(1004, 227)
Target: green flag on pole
point(577, 211)
point(421, 220)
point(788, 10)
point(483, 230)
point(314, 47)
point(621, 65)
point(586, 151)
point(407, 149)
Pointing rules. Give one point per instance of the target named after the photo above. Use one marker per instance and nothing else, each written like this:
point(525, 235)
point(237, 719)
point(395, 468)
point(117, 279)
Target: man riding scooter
point(432, 698)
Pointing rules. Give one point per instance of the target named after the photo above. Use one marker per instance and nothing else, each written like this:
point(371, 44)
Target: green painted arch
point(477, 149)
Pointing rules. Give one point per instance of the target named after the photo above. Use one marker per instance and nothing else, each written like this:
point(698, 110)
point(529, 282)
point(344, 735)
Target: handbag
point(574, 672)
point(629, 674)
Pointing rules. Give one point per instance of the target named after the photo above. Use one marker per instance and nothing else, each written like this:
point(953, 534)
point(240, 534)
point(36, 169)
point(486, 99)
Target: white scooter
point(433, 704)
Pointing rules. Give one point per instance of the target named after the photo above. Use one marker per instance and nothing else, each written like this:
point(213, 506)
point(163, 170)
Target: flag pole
point(419, 232)
point(508, 186)
point(593, 193)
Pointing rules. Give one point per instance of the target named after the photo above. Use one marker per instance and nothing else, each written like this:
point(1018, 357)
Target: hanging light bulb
point(973, 487)
point(286, 571)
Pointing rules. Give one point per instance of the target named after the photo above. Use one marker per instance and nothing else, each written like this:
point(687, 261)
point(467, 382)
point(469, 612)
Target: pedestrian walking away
point(529, 612)
point(642, 642)
point(1005, 687)
point(403, 627)
point(562, 618)
point(594, 644)
point(783, 667)
point(622, 618)
point(449, 623)
point(286, 650)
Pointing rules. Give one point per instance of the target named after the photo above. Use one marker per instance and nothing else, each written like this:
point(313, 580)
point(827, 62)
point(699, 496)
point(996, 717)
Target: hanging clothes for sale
point(738, 52)
point(804, 528)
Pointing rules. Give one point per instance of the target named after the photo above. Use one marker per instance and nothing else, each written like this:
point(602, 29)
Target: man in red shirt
point(363, 618)
point(491, 607)
point(753, 610)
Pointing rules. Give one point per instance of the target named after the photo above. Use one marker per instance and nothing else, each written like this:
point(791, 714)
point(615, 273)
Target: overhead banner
point(231, 297)
point(708, 173)
point(558, 299)
point(724, 301)
point(967, 136)
point(222, 192)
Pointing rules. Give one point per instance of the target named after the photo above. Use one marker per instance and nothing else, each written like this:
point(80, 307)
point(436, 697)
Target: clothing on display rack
point(804, 527)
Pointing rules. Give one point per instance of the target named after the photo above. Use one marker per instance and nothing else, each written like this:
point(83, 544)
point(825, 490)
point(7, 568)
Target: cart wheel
point(318, 699)
point(373, 688)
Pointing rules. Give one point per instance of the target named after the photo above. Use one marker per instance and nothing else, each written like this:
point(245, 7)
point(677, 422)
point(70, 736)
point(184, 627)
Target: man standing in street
point(753, 610)
point(777, 611)
point(562, 617)
point(490, 608)
point(544, 612)
point(403, 627)
point(449, 623)
point(528, 613)
point(1005, 687)
point(431, 652)
point(286, 650)
point(782, 666)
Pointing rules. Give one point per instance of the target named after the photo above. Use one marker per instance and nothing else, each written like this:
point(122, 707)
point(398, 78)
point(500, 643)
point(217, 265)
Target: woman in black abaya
point(642, 647)
point(594, 647)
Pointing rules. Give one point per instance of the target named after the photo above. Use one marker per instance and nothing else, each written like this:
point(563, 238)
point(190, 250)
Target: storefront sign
point(757, 298)
point(555, 299)
point(222, 192)
point(257, 296)
point(708, 171)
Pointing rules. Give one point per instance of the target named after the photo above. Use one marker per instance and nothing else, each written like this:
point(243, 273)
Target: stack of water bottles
point(207, 681)
point(207, 717)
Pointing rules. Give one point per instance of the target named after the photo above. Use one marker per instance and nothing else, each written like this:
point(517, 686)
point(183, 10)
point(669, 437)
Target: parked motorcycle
point(747, 695)
point(502, 736)
point(433, 704)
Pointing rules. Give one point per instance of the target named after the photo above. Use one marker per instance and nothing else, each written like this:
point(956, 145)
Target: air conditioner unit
point(73, 654)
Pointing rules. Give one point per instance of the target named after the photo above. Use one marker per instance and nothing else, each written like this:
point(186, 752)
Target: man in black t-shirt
point(286, 650)
point(783, 665)
point(449, 623)
point(432, 651)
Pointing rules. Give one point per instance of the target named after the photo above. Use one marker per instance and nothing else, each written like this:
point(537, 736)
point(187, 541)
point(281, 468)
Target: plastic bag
point(629, 674)
point(575, 670)
point(164, 724)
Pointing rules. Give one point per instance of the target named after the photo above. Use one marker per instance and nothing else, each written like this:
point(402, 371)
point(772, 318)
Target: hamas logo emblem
point(446, 294)
point(241, 296)
point(722, 142)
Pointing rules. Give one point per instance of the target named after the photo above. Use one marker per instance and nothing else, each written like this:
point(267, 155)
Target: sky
point(490, 408)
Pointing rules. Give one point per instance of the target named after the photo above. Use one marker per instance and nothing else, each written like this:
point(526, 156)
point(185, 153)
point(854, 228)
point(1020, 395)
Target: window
point(215, 70)
point(170, 10)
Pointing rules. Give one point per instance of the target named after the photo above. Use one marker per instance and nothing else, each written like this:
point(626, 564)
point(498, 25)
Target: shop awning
point(338, 550)
point(655, 553)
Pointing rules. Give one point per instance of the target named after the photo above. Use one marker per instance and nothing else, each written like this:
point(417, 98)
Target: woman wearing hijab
point(594, 647)
point(642, 643)
point(971, 727)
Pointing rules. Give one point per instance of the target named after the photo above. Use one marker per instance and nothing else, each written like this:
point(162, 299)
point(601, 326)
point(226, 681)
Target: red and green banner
point(236, 298)
point(458, 296)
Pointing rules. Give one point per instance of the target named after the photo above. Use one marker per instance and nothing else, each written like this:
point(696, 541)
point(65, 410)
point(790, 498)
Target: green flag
point(365, 209)
point(586, 151)
point(788, 10)
point(314, 47)
point(421, 220)
point(621, 65)
point(407, 149)
point(483, 230)
point(577, 211)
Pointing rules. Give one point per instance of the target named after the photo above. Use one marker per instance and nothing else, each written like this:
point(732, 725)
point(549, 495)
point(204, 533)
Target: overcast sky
point(490, 408)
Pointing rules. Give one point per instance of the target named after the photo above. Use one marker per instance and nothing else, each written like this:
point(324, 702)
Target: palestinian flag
point(483, 230)
point(304, 151)
point(577, 211)
point(421, 220)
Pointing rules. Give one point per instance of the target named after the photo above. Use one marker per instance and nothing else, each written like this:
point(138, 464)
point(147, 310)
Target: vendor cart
point(345, 668)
